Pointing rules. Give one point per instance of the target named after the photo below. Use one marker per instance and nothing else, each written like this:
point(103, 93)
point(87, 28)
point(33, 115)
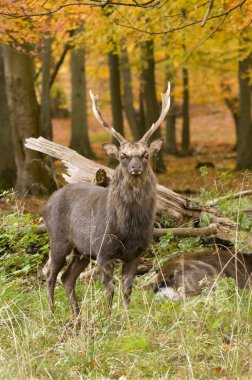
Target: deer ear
point(111, 150)
point(156, 145)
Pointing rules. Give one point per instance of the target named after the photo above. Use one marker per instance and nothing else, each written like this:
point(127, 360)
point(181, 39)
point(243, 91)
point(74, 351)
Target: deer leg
point(56, 263)
point(107, 272)
point(128, 274)
point(51, 278)
point(69, 278)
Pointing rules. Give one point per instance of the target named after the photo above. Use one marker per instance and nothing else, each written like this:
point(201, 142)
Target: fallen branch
point(212, 229)
point(81, 169)
point(240, 194)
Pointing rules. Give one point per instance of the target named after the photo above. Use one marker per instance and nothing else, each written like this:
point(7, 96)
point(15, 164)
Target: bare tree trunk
point(45, 110)
point(7, 162)
point(186, 116)
point(128, 101)
point(152, 110)
point(141, 115)
point(232, 103)
point(80, 139)
point(115, 92)
point(244, 143)
point(170, 140)
point(24, 119)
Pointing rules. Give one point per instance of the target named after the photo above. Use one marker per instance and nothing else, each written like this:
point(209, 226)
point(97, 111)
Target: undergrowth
point(205, 337)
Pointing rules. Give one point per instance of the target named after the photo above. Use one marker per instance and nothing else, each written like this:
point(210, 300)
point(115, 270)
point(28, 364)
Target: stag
point(105, 224)
point(186, 275)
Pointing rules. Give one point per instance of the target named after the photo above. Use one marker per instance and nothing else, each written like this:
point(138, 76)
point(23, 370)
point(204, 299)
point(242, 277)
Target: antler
point(164, 111)
point(98, 116)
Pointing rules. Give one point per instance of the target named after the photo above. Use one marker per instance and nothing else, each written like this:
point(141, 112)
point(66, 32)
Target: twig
point(187, 232)
point(240, 194)
point(180, 27)
point(92, 3)
point(204, 40)
point(211, 3)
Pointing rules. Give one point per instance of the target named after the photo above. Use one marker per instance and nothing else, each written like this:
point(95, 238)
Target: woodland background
point(51, 53)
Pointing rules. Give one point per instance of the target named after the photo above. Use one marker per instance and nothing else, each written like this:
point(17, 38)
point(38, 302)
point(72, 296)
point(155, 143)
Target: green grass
point(206, 337)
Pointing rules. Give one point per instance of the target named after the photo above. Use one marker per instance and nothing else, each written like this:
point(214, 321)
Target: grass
point(205, 337)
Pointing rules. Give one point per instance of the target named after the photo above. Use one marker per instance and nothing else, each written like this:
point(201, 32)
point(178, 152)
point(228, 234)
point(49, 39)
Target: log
point(240, 194)
point(187, 232)
point(81, 169)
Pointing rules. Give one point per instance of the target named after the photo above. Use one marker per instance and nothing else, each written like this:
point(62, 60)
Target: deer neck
point(132, 201)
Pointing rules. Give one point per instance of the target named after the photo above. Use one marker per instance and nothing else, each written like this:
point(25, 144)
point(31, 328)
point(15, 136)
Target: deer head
point(133, 156)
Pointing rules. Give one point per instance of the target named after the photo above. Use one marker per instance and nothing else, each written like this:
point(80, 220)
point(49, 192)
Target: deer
point(188, 274)
point(106, 224)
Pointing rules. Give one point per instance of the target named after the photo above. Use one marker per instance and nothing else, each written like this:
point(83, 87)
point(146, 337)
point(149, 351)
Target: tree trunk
point(185, 111)
point(115, 92)
point(170, 140)
point(128, 100)
point(232, 103)
point(24, 118)
point(150, 98)
point(171, 144)
point(141, 115)
point(45, 110)
point(244, 142)
point(7, 162)
point(80, 139)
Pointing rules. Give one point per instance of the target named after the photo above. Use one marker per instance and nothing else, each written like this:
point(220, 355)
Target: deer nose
point(136, 167)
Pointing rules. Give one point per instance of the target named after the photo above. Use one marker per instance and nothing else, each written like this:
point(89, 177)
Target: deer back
point(189, 271)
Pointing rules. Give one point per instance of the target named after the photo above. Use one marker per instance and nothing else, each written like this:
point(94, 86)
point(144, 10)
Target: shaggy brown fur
point(184, 275)
point(105, 224)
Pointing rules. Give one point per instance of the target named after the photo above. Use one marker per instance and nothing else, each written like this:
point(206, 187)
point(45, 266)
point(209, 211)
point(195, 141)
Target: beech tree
point(24, 120)
point(7, 163)
point(244, 142)
point(80, 138)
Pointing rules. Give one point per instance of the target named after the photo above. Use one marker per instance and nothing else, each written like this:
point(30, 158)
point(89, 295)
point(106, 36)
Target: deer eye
point(146, 155)
point(123, 156)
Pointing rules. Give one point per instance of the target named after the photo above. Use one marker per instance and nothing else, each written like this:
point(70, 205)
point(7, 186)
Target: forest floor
point(205, 337)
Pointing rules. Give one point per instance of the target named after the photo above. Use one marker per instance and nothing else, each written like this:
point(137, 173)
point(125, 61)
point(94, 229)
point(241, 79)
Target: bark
point(80, 169)
point(232, 103)
point(80, 139)
point(115, 92)
point(128, 100)
point(244, 142)
point(45, 109)
point(141, 116)
point(210, 230)
point(7, 162)
point(185, 111)
point(152, 110)
point(170, 140)
point(24, 118)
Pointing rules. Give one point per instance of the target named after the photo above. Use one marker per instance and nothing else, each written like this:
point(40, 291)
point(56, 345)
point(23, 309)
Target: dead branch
point(81, 169)
point(183, 26)
point(24, 13)
point(210, 7)
point(240, 194)
point(212, 229)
